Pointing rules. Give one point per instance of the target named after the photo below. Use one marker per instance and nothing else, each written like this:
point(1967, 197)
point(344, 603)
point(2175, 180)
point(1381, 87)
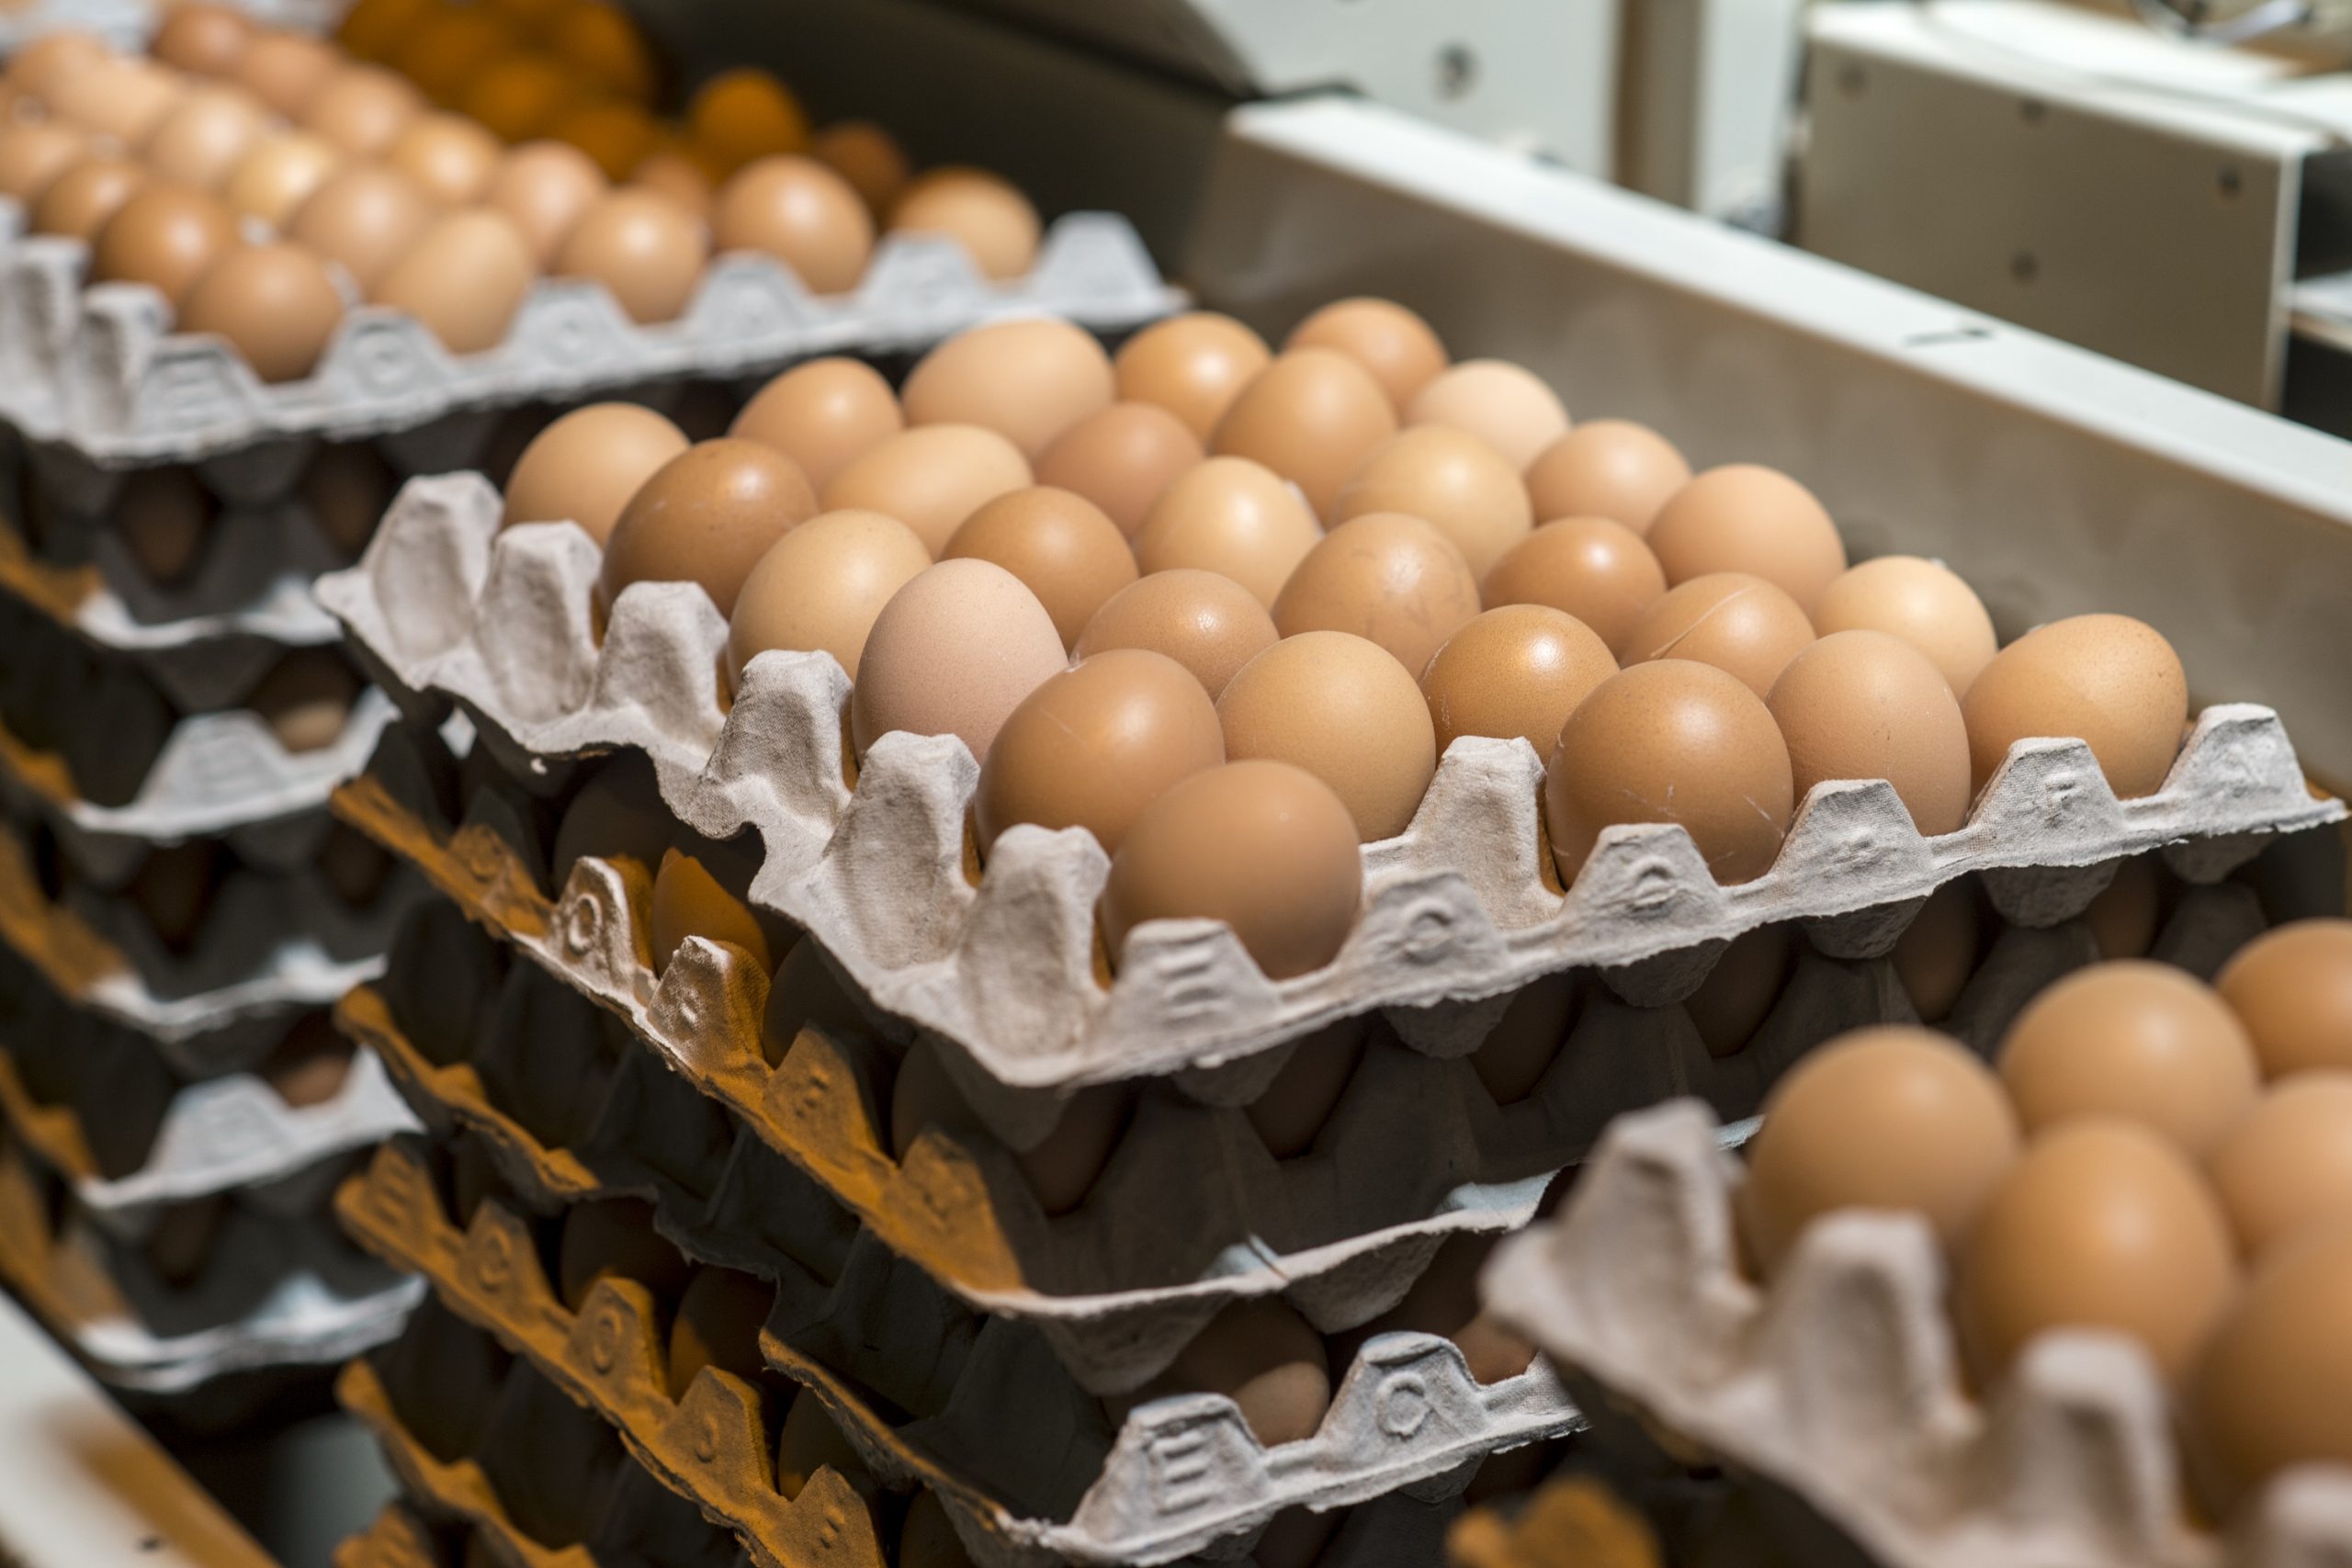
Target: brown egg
point(1071, 556)
point(1451, 478)
point(363, 109)
point(810, 1442)
point(1398, 347)
point(1510, 1062)
point(954, 652)
point(2123, 919)
point(823, 414)
point(585, 466)
point(2110, 680)
point(601, 42)
point(1866, 706)
point(2292, 989)
point(202, 39)
point(1936, 953)
point(644, 248)
point(1262, 1356)
point(1922, 601)
point(1314, 416)
point(275, 305)
point(1591, 567)
point(1739, 623)
point(619, 136)
point(1123, 459)
point(614, 1239)
point(1028, 380)
point(35, 154)
point(1738, 994)
point(78, 203)
point(311, 1066)
point(1294, 1106)
point(719, 1315)
point(286, 70)
point(995, 223)
point(122, 98)
point(174, 889)
point(867, 157)
point(1344, 709)
point(545, 188)
point(274, 179)
point(1671, 741)
point(1509, 408)
point(1061, 1169)
point(163, 518)
point(803, 214)
point(1210, 625)
point(1234, 517)
point(821, 587)
point(165, 237)
point(742, 114)
point(1607, 468)
point(42, 66)
point(370, 29)
point(463, 278)
point(930, 478)
point(1898, 1119)
point(205, 137)
point(616, 815)
point(690, 902)
point(675, 174)
point(346, 491)
point(1387, 578)
point(1445, 1301)
point(446, 47)
point(2100, 1224)
point(1749, 519)
point(451, 159)
point(2285, 1166)
point(2274, 1389)
point(925, 1538)
point(1193, 366)
point(706, 516)
point(306, 699)
point(2143, 1042)
point(364, 217)
point(1262, 846)
point(518, 95)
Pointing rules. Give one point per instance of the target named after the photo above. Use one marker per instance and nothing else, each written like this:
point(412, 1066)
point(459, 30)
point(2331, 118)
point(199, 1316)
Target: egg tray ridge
point(99, 368)
point(1407, 1416)
point(395, 1538)
point(1840, 1381)
point(446, 607)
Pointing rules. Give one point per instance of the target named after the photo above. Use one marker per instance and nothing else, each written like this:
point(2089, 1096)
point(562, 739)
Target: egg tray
point(100, 369)
point(1184, 1473)
point(446, 606)
point(1840, 1381)
point(127, 24)
point(396, 1538)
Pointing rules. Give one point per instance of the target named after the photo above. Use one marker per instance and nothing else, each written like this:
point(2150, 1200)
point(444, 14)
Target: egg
point(167, 237)
point(78, 203)
point(1607, 468)
point(45, 64)
point(1749, 519)
point(273, 181)
point(463, 277)
point(2100, 1224)
point(867, 157)
point(1866, 706)
point(706, 516)
point(1385, 577)
point(2292, 989)
point(1193, 366)
point(585, 466)
point(518, 95)
point(202, 39)
point(689, 900)
point(1936, 953)
point(1262, 1355)
point(994, 223)
point(1312, 415)
point(1123, 459)
point(370, 29)
point(619, 136)
point(444, 50)
point(545, 188)
point(809, 1442)
point(1029, 380)
point(1234, 517)
point(1507, 407)
point(1671, 741)
point(363, 109)
point(1922, 601)
point(311, 1066)
point(644, 248)
point(451, 159)
point(174, 889)
point(930, 478)
point(617, 814)
point(954, 652)
point(1895, 1119)
point(123, 99)
point(1398, 347)
point(363, 216)
point(1738, 994)
point(666, 172)
point(204, 137)
point(743, 114)
point(2284, 1166)
point(823, 414)
point(274, 304)
point(819, 588)
point(1060, 544)
point(1445, 1301)
point(36, 154)
point(1454, 481)
point(163, 518)
point(614, 1239)
point(803, 214)
point(1739, 623)
point(1293, 1108)
point(286, 70)
point(1510, 1062)
point(1344, 709)
point(2123, 917)
point(925, 1538)
point(2110, 680)
point(603, 45)
point(1593, 569)
point(719, 1315)
point(1060, 1168)
point(2140, 1040)
point(2273, 1390)
point(1210, 625)
point(306, 699)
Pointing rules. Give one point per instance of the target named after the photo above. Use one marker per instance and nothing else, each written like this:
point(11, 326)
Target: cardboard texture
point(399, 1538)
point(445, 607)
point(100, 369)
point(1841, 1381)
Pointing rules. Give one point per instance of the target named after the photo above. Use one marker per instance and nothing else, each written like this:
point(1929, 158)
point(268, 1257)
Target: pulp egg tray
point(445, 606)
point(1841, 1381)
point(1182, 1474)
point(99, 368)
point(128, 24)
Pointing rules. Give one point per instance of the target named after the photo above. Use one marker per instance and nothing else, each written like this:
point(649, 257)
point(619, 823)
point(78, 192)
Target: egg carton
point(128, 24)
point(396, 1538)
point(446, 606)
point(99, 367)
point(1182, 1476)
point(1841, 1381)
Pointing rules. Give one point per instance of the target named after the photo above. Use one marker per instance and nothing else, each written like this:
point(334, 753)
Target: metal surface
point(1707, 92)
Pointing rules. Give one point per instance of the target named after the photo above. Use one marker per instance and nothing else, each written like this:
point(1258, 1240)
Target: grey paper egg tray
point(445, 606)
point(1841, 1381)
point(100, 369)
